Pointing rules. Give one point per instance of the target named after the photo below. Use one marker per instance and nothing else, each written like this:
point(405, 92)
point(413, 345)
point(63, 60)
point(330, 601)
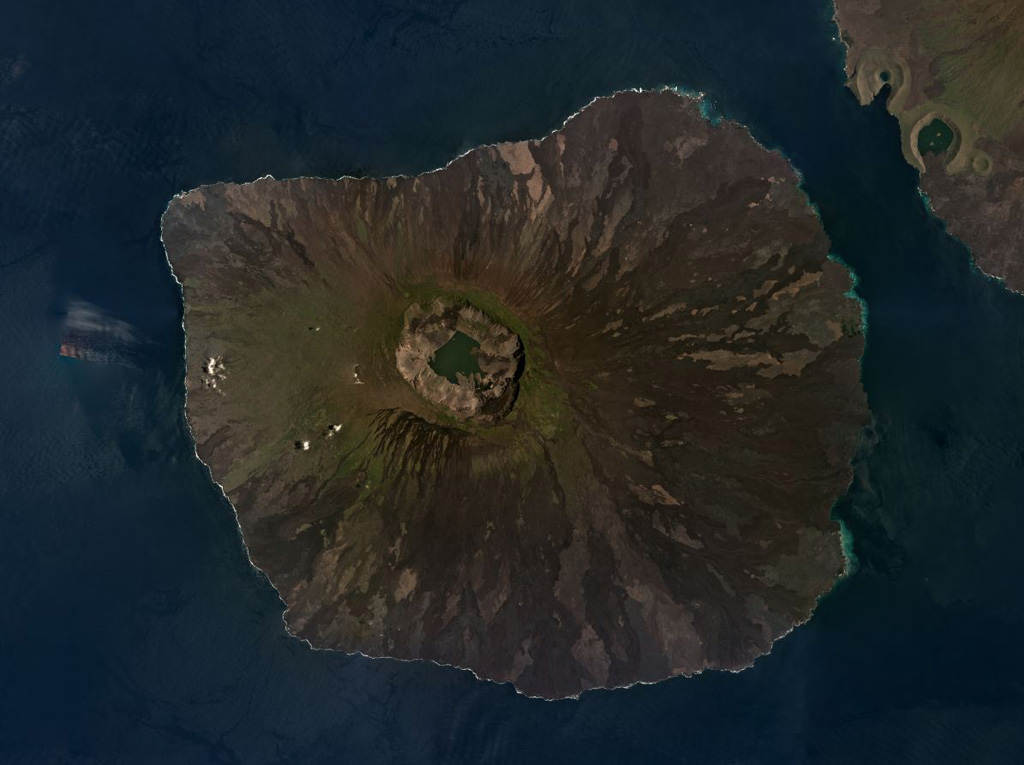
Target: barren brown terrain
point(654, 501)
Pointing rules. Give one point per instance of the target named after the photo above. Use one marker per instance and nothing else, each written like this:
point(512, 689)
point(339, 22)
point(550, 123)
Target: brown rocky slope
point(656, 500)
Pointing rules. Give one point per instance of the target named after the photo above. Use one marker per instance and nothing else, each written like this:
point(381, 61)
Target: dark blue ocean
point(132, 629)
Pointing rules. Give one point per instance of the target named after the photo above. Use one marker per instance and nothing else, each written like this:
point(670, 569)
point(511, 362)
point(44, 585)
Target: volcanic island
point(952, 72)
point(570, 413)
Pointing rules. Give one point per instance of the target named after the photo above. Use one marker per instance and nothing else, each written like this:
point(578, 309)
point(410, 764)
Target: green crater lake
point(455, 357)
point(935, 137)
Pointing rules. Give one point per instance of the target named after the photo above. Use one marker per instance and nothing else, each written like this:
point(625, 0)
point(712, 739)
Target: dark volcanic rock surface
point(657, 500)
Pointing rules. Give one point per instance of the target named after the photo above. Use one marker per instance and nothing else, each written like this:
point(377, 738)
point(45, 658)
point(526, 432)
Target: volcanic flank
point(630, 475)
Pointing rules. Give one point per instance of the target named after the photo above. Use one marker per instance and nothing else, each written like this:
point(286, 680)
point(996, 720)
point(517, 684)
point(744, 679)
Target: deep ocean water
point(132, 628)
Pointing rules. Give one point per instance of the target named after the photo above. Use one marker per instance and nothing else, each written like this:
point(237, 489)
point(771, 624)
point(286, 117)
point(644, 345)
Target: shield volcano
point(674, 363)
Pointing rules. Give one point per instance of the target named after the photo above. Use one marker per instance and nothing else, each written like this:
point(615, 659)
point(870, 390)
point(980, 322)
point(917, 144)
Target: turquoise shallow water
point(132, 628)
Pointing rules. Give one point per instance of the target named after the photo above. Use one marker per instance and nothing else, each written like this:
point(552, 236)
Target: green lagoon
point(457, 356)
